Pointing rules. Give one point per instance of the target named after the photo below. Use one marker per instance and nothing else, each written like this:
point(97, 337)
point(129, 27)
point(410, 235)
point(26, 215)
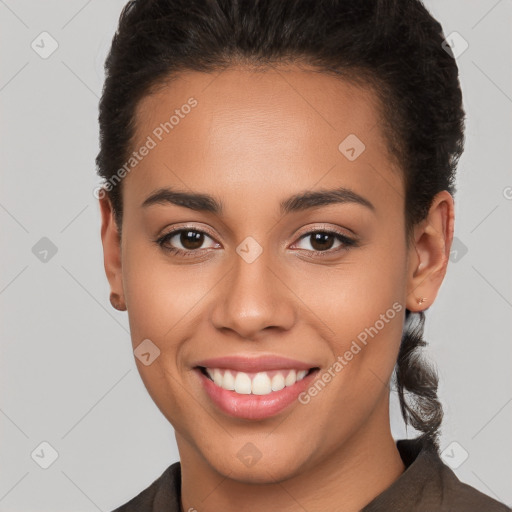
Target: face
point(295, 272)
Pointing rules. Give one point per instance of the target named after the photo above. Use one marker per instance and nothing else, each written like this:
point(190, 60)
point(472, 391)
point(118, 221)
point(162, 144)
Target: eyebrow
point(298, 202)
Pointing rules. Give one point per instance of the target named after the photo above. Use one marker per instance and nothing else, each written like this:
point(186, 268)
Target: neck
point(364, 466)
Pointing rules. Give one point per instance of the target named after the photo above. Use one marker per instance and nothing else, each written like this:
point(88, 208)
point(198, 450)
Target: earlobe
point(116, 302)
point(112, 253)
point(429, 254)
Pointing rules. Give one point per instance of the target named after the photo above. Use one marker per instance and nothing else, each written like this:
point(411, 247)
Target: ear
point(111, 241)
point(430, 252)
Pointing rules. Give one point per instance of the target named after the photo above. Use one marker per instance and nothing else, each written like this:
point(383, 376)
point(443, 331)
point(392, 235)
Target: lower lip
point(254, 407)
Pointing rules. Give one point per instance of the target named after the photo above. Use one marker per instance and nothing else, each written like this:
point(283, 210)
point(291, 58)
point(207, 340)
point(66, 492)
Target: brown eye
point(185, 241)
point(191, 239)
point(324, 242)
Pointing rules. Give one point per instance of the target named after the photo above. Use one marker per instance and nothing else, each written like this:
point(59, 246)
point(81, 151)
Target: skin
point(253, 140)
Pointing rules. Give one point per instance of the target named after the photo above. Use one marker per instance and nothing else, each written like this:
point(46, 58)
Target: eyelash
point(346, 241)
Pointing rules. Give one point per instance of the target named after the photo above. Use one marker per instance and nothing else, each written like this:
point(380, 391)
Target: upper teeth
point(261, 383)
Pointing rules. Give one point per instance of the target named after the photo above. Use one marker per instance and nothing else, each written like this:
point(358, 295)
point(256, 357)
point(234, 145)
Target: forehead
point(260, 132)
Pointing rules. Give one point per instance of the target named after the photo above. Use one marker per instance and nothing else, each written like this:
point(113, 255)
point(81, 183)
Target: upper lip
point(254, 364)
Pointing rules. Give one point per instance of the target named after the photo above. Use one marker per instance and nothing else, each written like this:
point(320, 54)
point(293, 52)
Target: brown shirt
point(426, 485)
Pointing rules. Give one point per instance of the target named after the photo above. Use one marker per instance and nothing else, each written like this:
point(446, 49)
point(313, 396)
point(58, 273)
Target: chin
point(270, 469)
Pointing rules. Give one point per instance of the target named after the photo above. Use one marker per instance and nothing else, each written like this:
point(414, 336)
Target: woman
point(277, 213)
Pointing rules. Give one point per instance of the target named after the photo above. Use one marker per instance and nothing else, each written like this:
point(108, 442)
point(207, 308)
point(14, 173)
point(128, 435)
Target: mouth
point(254, 395)
point(255, 383)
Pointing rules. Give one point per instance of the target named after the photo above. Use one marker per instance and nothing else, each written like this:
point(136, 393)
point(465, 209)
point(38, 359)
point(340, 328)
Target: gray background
point(68, 375)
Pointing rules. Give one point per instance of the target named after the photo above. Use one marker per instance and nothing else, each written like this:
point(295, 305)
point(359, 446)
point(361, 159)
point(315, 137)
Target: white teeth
point(242, 383)
point(301, 374)
point(217, 377)
point(277, 382)
point(260, 384)
point(291, 378)
point(229, 381)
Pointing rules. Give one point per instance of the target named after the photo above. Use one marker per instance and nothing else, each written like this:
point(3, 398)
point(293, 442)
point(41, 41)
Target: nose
point(252, 298)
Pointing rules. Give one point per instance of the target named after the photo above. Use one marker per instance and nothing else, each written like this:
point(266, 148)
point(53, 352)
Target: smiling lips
point(260, 383)
point(254, 388)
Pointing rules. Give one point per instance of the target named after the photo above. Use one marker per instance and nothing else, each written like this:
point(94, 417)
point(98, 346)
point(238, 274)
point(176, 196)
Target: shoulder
point(443, 489)
point(430, 485)
point(162, 494)
point(456, 495)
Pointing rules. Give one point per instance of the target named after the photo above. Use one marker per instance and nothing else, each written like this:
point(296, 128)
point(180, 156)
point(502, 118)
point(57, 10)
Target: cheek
point(352, 295)
point(160, 296)
point(361, 306)
point(364, 313)
point(161, 302)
